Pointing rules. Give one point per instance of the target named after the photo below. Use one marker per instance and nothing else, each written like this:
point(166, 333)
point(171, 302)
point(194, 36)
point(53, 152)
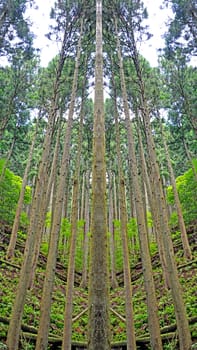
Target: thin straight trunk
point(67, 333)
point(66, 212)
point(86, 230)
point(131, 340)
point(131, 200)
point(99, 321)
point(13, 238)
point(153, 319)
point(114, 283)
point(25, 273)
point(180, 311)
point(42, 339)
point(43, 210)
point(115, 199)
point(185, 242)
point(154, 209)
point(82, 209)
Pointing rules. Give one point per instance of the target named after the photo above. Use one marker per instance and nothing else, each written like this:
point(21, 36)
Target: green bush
point(187, 190)
point(10, 187)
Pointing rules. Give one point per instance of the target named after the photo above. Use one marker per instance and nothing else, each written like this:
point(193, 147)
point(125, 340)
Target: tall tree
point(37, 203)
point(67, 334)
point(13, 238)
point(153, 320)
point(131, 341)
point(180, 311)
point(99, 329)
point(184, 238)
point(42, 339)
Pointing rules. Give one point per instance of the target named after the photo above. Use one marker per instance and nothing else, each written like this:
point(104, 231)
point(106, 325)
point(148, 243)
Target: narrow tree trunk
point(131, 199)
point(131, 341)
point(99, 322)
point(82, 203)
point(13, 237)
point(153, 320)
point(17, 311)
point(114, 283)
point(154, 210)
point(67, 333)
point(42, 339)
point(185, 242)
point(115, 199)
point(43, 209)
point(180, 311)
point(86, 231)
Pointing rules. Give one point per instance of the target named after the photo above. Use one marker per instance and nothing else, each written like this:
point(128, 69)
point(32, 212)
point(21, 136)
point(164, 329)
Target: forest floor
point(9, 274)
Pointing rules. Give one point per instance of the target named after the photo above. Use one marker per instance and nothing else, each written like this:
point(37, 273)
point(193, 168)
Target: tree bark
point(67, 333)
point(131, 341)
point(185, 242)
point(154, 209)
point(49, 186)
point(86, 231)
point(180, 311)
point(114, 283)
point(153, 319)
point(99, 321)
point(43, 331)
point(13, 238)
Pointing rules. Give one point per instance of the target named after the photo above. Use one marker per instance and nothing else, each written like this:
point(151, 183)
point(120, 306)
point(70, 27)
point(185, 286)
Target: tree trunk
point(114, 283)
point(82, 202)
point(13, 237)
point(131, 341)
point(44, 324)
point(86, 231)
point(17, 311)
point(99, 321)
point(43, 209)
point(185, 242)
point(180, 311)
point(153, 320)
point(154, 209)
point(67, 333)
point(116, 216)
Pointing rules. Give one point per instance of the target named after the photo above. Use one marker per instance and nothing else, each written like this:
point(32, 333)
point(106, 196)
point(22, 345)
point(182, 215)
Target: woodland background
point(46, 156)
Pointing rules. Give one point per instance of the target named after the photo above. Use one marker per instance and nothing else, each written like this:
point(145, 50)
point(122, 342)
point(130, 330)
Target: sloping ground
point(9, 272)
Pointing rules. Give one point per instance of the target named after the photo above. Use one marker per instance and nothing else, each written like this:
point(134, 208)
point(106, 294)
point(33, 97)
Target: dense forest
point(98, 191)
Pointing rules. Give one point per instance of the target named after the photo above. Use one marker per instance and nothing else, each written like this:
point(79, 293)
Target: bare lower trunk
point(131, 341)
point(99, 328)
point(180, 311)
point(114, 283)
point(153, 320)
point(154, 210)
point(43, 209)
point(86, 231)
point(13, 238)
point(185, 242)
point(67, 333)
point(42, 339)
